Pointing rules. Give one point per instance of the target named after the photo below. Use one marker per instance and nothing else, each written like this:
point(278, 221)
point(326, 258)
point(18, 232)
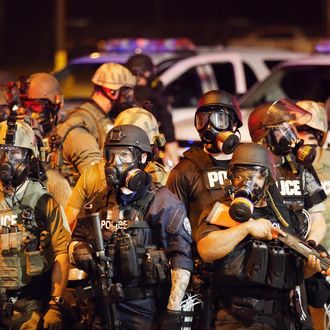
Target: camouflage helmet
point(253, 154)
point(143, 119)
point(269, 115)
point(24, 136)
point(43, 86)
point(319, 120)
point(113, 76)
point(213, 100)
point(128, 136)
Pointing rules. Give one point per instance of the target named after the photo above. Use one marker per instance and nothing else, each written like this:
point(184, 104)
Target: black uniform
point(255, 279)
point(197, 181)
point(162, 227)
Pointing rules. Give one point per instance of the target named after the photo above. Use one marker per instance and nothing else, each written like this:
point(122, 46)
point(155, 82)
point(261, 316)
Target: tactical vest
point(130, 243)
point(21, 257)
point(86, 113)
point(210, 184)
point(262, 264)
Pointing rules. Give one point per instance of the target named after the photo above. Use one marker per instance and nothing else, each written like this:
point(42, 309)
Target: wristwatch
point(57, 300)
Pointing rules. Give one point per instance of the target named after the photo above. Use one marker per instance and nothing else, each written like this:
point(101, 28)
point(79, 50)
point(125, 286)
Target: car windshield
point(295, 83)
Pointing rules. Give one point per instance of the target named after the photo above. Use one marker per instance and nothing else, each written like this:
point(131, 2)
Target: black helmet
point(128, 135)
point(253, 154)
point(215, 99)
point(139, 63)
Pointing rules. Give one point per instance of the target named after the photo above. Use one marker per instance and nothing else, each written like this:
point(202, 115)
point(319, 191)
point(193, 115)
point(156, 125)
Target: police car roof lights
point(139, 45)
point(323, 47)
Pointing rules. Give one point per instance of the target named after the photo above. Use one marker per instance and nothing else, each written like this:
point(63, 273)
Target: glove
point(53, 319)
point(171, 320)
point(83, 257)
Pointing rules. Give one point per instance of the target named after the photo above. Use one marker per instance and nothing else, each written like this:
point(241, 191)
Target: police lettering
point(216, 177)
point(289, 187)
point(8, 219)
point(109, 225)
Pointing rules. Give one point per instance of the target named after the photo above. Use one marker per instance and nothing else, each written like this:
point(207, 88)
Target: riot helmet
point(41, 95)
point(217, 118)
point(143, 119)
point(251, 170)
point(275, 125)
point(141, 66)
point(17, 148)
point(126, 150)
point(318, 125)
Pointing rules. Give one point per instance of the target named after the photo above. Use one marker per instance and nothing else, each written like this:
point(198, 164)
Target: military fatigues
point(82, 137)
point(254, 280)
point(322, 168)
point(93, 181)
point(162, 227)
point(197, 181)
point(24, 270)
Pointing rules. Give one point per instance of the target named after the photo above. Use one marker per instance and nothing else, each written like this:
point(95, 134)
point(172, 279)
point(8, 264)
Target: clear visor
point(13, 154)
point(219, 119)
point(120, 155)
point(287, 131)
point(254, 177)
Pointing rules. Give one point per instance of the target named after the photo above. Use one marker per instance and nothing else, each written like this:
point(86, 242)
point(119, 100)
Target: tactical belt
point(18, 293)
point(138, 293)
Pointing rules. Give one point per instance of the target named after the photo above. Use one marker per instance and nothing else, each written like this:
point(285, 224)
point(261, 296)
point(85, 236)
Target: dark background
point(28, 27)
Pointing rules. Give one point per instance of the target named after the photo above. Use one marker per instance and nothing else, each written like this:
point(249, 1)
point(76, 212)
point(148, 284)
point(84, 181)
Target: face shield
point(248, 186)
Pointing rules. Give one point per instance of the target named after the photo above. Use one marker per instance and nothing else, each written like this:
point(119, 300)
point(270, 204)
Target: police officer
point(150, 89)
point(4, 108)
point(93, 181)
point(274, 125)
point(248, 262)
point(83, 132)
point(33, 260)
point(198, 179)
point(41, 96)
point(152, 217)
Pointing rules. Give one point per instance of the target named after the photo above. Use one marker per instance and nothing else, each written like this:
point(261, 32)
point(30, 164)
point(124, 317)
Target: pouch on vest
point(35, 259)
point(294, 274)
point(15, 239)
point(276, 267)
point(155, 266)
point(129, 264)
point(10, 271)
point(257, 263)
point(4, 240)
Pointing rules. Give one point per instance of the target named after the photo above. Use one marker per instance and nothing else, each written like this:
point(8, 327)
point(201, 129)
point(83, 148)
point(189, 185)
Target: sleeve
point(205, 228)
point(91, 180)
point(313, 192)
point(175, 230)
point(81, 148)
point(49, 210)
point(180, 181)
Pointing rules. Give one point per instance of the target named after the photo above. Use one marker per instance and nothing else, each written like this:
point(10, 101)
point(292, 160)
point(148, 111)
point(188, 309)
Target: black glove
point(171, 320)
point(83, 258)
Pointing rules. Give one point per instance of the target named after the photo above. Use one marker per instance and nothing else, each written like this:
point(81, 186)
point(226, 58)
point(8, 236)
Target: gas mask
point(284, 139)
point(124, 99)
point(14, 165)
point(43, 111)
point(247, 186)
point(216, 131)
point(123, 168)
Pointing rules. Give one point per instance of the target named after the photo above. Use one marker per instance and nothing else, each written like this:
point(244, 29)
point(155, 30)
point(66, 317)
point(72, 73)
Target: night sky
point(27, 27)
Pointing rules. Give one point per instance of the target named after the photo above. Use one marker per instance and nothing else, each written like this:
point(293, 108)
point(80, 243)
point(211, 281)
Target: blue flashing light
point(323, 47)
point(140, 45)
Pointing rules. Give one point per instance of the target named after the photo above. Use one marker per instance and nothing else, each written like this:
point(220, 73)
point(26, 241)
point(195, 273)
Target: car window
point(271, 63)
point(295, 83)
point(186, 90)
point(250, 77)
point(225, 76)
point(75, 80)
